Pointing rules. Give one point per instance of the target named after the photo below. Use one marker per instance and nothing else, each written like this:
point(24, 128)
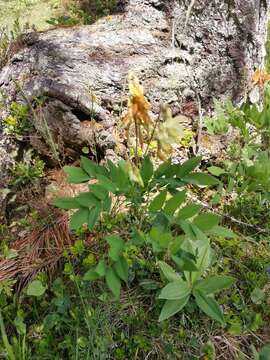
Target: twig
point(147, 356)
point(189, 10)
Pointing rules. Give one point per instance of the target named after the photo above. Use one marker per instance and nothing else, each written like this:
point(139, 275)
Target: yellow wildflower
point(260, 77)
point(138, 105)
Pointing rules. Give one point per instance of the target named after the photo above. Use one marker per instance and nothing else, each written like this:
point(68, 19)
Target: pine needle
point(40, 250)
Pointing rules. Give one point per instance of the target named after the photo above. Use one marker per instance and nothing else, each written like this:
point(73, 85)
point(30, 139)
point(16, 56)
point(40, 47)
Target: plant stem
point(137, 141)
point(152, 135)
point(5, 339)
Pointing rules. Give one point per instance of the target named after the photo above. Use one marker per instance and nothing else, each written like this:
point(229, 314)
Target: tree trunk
point(181, 50)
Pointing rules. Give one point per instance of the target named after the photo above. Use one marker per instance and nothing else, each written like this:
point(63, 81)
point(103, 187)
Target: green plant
point(262, 354)
point(63, 20)
point(246, 168)
point(42, 127)
point(17, 122)
point(15, 346)
point(178, 291)
point(7, 345)
point(152, 194)
point(88, 11)
point(218, 124)
point(115, 269)
point(155, 200)
point(27, 170)
point(10, 39)
point(4, 47)
point(187, 138)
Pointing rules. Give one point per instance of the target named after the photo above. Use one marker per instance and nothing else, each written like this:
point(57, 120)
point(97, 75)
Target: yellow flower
point(138, 105)
point(260, 77)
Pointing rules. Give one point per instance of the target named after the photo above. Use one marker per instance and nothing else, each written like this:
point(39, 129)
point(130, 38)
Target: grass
point(37, 12)
point(34, 12)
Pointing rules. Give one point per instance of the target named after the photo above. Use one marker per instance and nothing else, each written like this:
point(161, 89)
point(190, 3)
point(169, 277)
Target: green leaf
point(85, 150)
point(188, 166)
point(35, 288)
point(161, 170)
point(257, 296)
point(149, 284)
point(66, 203)
point(185, 263)
point(203, 251)
point(231, 185)
point(102, 170)
point(264, 353)
point(10, 253)
point(223, 232)
point(147, 170)
point(188, 211)
point(209, 306)
point(200, 179)
point(79, 218)
point(106, 183)
point(176, 244)
point(120, 176)
point(206, 221)
point(101, 268)
point(113, 171)
point(171, 183)
point(169, 273)
point(91, 275)
point(116, 246)
point(212, 284)
point(89, 166)
point(121, 268)
point(161, 222)
point(100, 192)
point(76, 175)
point(175, 290)
point(164, 239)
point(159, 238)
point(235, 328)
point(107, 203)
point(187, 228)
point(20, 325)
point(256, 322)
point(173, 203)
point(94, 214)
point(216, 171)
point(171, 307)
point(113, 282)
point(157, 203)
point(87, 199)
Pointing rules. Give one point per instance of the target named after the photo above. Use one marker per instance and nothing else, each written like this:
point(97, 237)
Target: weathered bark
point(180, 55)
